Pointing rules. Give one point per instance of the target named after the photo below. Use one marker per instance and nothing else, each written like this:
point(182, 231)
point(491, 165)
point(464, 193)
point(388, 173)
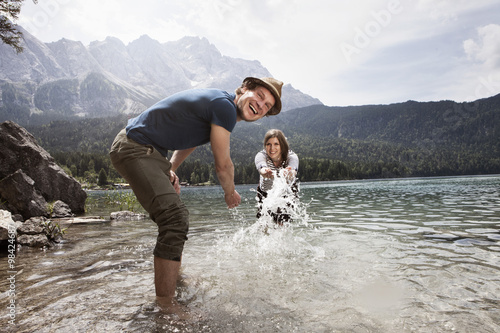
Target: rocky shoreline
point(37, 198)
point(44, 232)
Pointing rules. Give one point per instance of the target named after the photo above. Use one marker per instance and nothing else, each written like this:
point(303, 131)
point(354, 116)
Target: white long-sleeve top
point(262, 160)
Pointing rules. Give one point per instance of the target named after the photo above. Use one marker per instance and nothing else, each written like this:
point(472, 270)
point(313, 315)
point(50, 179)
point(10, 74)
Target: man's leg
point(166, 277)
point(147, 173)
point(166, 274)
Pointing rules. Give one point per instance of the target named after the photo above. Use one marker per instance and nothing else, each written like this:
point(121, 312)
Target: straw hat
point(274, 86)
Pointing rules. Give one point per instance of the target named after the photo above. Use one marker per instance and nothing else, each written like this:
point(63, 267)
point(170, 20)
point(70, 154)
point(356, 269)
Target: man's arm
point(179, 156)
point(219, 140)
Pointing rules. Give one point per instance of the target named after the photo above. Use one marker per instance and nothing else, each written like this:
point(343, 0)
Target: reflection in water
point(414, 255)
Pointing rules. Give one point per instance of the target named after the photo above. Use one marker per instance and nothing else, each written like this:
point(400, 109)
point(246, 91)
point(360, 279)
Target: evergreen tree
point(103, 178)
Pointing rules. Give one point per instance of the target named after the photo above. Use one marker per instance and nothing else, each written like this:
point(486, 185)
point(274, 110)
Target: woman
point(270, 162)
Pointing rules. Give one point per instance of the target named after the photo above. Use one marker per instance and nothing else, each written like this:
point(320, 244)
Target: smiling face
point(273, 149)
point(254, 104)
point(276, 146)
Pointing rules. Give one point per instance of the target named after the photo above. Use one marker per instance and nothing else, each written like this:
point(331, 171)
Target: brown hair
point(250, 85)
point(276, 133)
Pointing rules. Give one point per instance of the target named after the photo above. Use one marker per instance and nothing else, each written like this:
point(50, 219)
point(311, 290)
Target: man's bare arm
point(220, 141)
point(179, 156)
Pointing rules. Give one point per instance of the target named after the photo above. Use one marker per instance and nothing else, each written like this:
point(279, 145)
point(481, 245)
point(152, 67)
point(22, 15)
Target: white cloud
point(486, 48)
point(483, 52)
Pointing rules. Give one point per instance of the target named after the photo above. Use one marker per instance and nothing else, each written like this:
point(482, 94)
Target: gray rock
point(19, 150)
point(17, 217)
point(61, 209)
point(39, 240)
point(21, 197)
point(127, 215)
point(33, 226)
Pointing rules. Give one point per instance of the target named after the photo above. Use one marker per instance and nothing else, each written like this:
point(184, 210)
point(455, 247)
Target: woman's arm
point(261, 165)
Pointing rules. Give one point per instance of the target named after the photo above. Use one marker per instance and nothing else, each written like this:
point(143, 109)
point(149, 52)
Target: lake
point(398, 255)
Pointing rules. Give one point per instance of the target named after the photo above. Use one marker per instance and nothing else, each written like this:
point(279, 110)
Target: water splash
point(282, 203)
point(266, 239)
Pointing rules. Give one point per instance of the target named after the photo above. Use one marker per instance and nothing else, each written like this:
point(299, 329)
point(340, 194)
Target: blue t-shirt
point(183, 120)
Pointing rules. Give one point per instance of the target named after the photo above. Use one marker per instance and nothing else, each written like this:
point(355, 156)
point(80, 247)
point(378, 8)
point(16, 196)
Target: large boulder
point(19, 150)
point(19, 196)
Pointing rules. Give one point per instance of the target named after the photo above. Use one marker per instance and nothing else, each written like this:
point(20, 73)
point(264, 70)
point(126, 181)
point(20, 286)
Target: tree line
point(404, 140)
point(92, 168)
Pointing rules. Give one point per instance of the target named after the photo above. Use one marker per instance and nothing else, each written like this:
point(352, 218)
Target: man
point(180, 123)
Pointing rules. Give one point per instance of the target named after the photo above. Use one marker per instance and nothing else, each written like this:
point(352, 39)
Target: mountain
point(422, 124)
point(365, 133)
point(52, 83)
point(64, 79)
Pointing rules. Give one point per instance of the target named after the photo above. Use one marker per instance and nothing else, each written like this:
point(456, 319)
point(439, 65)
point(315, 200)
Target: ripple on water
point(375, 256)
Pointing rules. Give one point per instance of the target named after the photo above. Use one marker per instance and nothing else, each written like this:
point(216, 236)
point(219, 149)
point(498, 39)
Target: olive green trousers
point(147, 173)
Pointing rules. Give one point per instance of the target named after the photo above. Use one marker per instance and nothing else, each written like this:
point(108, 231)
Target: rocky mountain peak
point(36, 63)
point(108, 77)
point(73, 57)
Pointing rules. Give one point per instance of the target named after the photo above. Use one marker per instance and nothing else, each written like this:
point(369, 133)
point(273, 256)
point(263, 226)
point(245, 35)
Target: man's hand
point(175, 182)
point(232, 199)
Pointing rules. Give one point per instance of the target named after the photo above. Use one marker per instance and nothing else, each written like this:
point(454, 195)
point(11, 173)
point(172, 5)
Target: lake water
point(409, 255)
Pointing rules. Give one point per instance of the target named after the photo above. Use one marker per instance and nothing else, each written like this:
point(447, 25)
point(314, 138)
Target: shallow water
point(410, 255)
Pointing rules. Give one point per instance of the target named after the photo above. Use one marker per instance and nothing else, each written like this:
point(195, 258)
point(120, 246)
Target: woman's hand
point(289, 174)
point(266, 173)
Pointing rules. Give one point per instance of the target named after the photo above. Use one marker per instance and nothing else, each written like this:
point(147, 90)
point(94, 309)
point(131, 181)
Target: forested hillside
point(375, 141)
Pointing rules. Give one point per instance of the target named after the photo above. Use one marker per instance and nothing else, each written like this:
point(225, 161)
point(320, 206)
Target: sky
point(342, 52)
